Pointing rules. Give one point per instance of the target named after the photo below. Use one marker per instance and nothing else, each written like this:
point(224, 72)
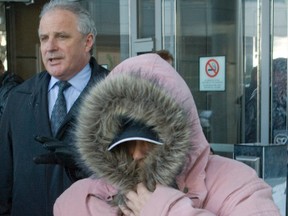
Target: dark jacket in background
point(27, 188)
point(8, 81)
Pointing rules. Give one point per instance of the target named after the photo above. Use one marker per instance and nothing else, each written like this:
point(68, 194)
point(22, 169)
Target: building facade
point(232, 54)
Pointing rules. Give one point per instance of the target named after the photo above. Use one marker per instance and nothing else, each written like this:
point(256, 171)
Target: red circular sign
point(212, 68)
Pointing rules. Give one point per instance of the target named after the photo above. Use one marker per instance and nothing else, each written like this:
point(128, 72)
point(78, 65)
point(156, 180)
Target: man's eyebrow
point(55, 33)
point(42, 36)
point(61, 32)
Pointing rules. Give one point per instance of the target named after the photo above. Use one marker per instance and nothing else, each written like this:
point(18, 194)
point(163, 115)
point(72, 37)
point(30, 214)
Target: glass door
point(146, 21)
point(210, 29)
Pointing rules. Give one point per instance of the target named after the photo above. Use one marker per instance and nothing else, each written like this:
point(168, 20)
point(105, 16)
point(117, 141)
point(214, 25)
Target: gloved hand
point(61, 153)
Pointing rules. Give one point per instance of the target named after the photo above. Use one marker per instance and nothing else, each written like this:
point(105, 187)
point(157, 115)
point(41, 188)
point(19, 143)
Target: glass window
point(112, 40)
point(145, 19)
point(279, 131)
point(207, 29)
point(251, 102)
point(276, 74)
point(3, 45)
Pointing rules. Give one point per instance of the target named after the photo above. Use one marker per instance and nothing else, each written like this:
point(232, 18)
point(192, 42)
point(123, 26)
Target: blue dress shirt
point(78, 83)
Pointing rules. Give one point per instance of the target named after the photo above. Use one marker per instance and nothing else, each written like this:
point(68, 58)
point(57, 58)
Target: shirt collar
point(79, 81)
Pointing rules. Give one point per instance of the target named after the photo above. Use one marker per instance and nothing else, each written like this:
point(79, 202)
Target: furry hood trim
point(134, 98)
point(148, 90)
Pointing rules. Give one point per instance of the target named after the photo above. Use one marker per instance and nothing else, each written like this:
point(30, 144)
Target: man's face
point(65, 51)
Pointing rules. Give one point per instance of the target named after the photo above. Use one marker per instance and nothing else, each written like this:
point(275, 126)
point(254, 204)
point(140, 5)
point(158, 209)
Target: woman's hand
point(136, 200)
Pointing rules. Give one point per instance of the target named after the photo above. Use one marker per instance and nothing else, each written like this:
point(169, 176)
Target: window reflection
point(205, 29)
point(279, 132)
point(146, 19)
point(3, 45)
point(277, 73)
point(112, 40)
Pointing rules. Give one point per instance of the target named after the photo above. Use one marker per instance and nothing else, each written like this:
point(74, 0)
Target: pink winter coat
point(189, 180)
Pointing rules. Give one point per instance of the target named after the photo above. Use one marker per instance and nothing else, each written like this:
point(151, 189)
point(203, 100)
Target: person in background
point(2, 68)
point(166, 55)
point(279, 101)
point(251, 108)
point(36, 162)
point(138, 131)
point(8, 81)
point(279, 89)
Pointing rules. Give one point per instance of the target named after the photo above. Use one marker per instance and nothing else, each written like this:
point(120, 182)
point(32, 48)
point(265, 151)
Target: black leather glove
point(61, 153)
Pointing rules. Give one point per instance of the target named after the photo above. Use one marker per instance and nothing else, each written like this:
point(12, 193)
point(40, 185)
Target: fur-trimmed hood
point(146, 89)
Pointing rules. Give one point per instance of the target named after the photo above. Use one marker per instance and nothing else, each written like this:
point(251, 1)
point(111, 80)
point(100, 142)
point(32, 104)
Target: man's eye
point(63, 36)
point(42, 39)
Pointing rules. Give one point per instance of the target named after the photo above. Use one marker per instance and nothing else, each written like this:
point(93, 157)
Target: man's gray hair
point(86, 24)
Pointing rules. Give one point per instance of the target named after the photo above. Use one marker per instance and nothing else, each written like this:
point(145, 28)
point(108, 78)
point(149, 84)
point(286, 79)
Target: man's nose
point(51, 44)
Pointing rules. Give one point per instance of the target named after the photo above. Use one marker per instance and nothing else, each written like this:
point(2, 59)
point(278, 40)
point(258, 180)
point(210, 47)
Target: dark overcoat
point(27, 188)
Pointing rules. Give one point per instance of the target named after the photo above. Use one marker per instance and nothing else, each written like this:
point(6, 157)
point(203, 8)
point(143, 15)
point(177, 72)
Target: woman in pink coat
point(176, 175)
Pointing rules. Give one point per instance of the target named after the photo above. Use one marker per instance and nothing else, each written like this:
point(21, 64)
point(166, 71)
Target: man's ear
point(89, 42)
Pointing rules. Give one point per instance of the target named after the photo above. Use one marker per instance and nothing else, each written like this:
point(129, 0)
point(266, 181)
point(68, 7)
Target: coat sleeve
point(6, 167)
point(171, 202)
point(255, 198)
point(86, 197)
point(235, 189)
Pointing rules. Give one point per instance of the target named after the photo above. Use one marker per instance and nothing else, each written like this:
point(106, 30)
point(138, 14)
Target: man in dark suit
point(27, 187)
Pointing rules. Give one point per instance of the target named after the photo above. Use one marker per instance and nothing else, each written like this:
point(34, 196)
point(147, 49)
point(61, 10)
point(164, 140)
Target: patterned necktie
point(59, 110)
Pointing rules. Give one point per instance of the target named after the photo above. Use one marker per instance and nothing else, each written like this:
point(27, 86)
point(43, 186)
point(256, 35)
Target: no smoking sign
point(212, 73)
point(212, 68)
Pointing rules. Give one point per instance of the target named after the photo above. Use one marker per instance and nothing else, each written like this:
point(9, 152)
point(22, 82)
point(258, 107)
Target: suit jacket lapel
point(39, 105)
